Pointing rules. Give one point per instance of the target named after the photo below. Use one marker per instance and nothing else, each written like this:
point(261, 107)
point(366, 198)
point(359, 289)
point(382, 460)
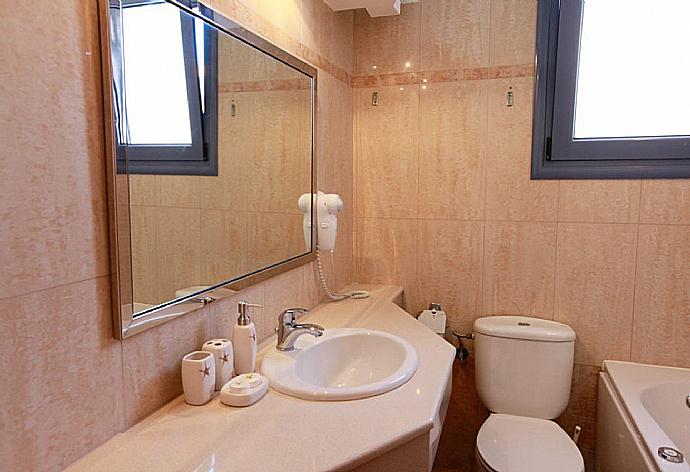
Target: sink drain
point(670, 454)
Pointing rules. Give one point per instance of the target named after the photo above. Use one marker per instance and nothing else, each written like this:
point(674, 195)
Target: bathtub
point(642, 408)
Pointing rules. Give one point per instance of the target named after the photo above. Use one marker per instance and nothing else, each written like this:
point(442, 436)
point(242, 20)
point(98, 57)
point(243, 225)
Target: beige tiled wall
point(69, 386)
point(444, 205)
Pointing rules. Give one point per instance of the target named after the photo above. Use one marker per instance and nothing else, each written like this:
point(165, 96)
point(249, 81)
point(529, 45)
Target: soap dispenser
point(244, 339)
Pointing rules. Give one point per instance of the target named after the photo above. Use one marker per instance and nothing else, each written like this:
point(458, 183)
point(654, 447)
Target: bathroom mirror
point(210, 135)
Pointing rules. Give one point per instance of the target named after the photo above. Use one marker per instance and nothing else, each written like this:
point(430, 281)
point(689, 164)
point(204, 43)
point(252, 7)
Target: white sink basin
point(343, 364)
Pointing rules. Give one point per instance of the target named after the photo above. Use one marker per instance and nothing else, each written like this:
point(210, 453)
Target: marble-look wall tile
point(152, 362)
point(53, 208)
point(335, 138)
point(387, 44)
point(341, 39)
point(386, 252)
point(386, 152)
point(277, 151)
point(513, 32)
point(458, 285)
point(661, 326)
point(315, 31)
point(226, 191)
point(179, 252)
point(273, 237)
point(284, 15)
point(312, 294)
point(665, 202)
point(335, 170)
point(143, 190)
point(279, 22)
point(145, 254)
point(595, 279)
point(181, 191)
point(599, 201)
point(519, 262)
point(455, 34)
point(223, 244)
point(510, 194)
point(342, 265)
point(453, 144)
point(62, 370)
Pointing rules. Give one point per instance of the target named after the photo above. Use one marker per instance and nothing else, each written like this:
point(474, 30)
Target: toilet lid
point(510, 443)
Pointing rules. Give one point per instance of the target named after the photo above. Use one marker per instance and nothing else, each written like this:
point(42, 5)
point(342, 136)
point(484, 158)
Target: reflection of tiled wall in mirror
point(200, 230)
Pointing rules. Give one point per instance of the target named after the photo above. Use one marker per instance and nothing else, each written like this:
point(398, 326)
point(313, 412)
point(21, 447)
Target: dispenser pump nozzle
point(243, 311)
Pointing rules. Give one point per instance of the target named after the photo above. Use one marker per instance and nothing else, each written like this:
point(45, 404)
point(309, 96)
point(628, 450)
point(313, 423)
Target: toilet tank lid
point(523, 327)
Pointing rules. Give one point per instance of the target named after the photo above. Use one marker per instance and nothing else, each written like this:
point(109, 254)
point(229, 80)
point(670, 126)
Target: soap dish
point(244, 390)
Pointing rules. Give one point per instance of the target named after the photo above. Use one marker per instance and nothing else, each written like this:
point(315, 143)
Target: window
point(166, 110)
point(613, 90)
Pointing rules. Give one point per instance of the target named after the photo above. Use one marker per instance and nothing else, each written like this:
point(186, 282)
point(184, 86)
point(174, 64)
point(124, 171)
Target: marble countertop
point(284, 433)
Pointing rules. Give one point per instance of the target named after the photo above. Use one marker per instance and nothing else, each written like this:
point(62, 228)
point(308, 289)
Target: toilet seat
point(508, 443)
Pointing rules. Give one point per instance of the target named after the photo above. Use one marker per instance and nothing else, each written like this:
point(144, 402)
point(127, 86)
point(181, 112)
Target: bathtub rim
point(628, 382)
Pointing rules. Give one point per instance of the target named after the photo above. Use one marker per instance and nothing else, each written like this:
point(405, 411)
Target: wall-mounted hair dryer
point(327, 208)
point(328, 205)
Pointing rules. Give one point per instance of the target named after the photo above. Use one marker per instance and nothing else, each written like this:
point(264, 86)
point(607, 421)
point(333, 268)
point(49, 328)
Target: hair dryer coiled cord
point(324, 285)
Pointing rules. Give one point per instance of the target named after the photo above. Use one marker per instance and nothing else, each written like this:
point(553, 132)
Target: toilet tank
point(523, 366)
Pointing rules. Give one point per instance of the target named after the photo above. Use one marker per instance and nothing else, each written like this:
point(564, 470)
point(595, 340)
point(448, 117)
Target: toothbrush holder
point(198, 377)
point(222, 354)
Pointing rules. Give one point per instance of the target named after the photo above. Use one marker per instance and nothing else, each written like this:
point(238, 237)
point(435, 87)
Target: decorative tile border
point(451, 75)
point(265, 85)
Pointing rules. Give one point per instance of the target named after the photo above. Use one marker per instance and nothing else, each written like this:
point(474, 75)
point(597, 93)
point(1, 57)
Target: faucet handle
point(297, 311)
point(288, 316)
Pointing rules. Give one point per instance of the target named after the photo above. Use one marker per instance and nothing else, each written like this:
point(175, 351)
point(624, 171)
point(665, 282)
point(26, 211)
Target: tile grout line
point(52, 287)
point(617, 223)
point(555, 258)
point(355, 137)
point(637, 251)
point(418, 279)
point(482, 275)
point(353, 112)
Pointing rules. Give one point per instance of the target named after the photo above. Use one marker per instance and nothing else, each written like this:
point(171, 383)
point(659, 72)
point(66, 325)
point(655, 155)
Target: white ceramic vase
point(198, 377)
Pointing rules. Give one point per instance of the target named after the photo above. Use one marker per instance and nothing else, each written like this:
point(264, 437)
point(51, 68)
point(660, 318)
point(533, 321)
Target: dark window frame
point(201, 157)
point(555, 154)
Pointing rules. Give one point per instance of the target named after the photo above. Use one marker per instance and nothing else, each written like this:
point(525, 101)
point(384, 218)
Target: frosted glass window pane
point(155, 81)
point(634, 69)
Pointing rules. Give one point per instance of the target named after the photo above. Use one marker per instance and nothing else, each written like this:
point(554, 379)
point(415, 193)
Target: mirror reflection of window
point(165, 89)
point(155, 81)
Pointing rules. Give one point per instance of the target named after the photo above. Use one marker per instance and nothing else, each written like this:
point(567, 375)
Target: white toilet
point(524, 367)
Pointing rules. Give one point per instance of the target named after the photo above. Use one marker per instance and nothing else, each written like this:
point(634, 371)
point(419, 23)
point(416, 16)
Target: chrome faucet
point(289, 330)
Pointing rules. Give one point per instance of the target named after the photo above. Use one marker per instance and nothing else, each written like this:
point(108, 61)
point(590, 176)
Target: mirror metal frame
point(124, 325)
